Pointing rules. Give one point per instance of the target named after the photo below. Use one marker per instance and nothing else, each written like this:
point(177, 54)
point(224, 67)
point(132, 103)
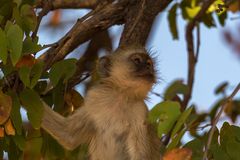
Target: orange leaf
point(5, 107)
point(1, 132)
point(178, 154)
point(234, 7)
point(55, 19)
point(26, 60)
point(10, 130)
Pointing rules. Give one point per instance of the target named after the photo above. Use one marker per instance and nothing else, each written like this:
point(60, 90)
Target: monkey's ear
point(104, 65)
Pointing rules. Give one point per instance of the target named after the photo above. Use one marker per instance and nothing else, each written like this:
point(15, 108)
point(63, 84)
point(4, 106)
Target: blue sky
point(216, 64)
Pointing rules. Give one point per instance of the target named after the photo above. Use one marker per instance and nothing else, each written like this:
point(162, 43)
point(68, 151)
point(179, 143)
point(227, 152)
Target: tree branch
point(224, 105)
point(139, 21)
point(190, 48)
point(69, 4)
point(96, 21)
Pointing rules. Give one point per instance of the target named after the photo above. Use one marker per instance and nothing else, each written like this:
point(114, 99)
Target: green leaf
point(229, 133)
point(222, 18)
point(6, 8)
point(19, 141)
point(15, 37)
point(221, 88)
point(33, 104)
point(24, 73)
point(165, 114)
point(219, 153)
point(30, 75)
point(177, 87)
point(181, 121)
point(62, 69)
point(36, 73)
point(172, 21)
point(175, 141)
point(3, 46)
point(196, 145)
point(208, 20)
point(29, 18)
point(233, 148)
point(30, 46)
point(15, 114)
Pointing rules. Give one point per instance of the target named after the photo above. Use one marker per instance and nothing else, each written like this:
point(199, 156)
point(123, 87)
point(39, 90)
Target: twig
point(198, 43)
point(84, 29)
point(47, 6)
point(224, 105)
point(190, 48)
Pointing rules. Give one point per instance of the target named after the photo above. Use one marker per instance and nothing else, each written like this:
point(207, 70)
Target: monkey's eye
point(136, 59)
point(149, 63)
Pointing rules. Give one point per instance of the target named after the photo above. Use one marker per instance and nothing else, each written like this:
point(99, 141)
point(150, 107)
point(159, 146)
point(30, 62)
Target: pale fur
point(113, 118)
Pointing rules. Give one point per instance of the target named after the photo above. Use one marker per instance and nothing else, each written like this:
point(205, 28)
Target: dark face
point(143, 66)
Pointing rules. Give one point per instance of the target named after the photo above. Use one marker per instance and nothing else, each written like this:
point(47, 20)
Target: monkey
point(113, 119)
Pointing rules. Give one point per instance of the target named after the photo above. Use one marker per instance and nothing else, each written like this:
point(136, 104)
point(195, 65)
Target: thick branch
point(69, 4)
point(139, 21)
point(84, 29)
point(190, 48)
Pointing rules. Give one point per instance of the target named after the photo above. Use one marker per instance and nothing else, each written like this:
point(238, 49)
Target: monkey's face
point(142, 67)
point(130, 70)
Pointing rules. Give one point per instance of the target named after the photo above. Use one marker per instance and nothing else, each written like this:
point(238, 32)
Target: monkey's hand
point(68, 131)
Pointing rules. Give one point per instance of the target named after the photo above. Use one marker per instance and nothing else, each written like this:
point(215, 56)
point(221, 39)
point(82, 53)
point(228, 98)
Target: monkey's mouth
point(146, 76)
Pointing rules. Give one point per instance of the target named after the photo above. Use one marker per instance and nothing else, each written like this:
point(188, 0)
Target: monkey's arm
point(68, 131)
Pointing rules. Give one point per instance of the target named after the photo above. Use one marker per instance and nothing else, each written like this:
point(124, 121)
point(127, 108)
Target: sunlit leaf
point(33, 104)
point(62, 69)
point(165, 114)
point(172, 21)
point(26, 60)
point(2, 133)
point(192, 12)
point(10, 130)
point(178, 154)
point(15, 37)
point(3, 46)
point(218, 6)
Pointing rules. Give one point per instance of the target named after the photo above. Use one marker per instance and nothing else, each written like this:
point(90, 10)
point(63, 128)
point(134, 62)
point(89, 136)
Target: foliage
point(25, 81)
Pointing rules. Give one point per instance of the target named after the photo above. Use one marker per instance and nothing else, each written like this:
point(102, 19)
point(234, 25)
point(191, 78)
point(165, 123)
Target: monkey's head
point(129, 70)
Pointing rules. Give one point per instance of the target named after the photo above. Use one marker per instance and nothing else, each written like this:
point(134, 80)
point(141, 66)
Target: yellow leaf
point(5, 107)
point(1, 132)
point(10, 130)
point(218, 6)
point(192, 12)
point(178, 154)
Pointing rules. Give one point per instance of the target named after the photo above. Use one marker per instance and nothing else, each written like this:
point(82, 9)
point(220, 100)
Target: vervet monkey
point(113, 120)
